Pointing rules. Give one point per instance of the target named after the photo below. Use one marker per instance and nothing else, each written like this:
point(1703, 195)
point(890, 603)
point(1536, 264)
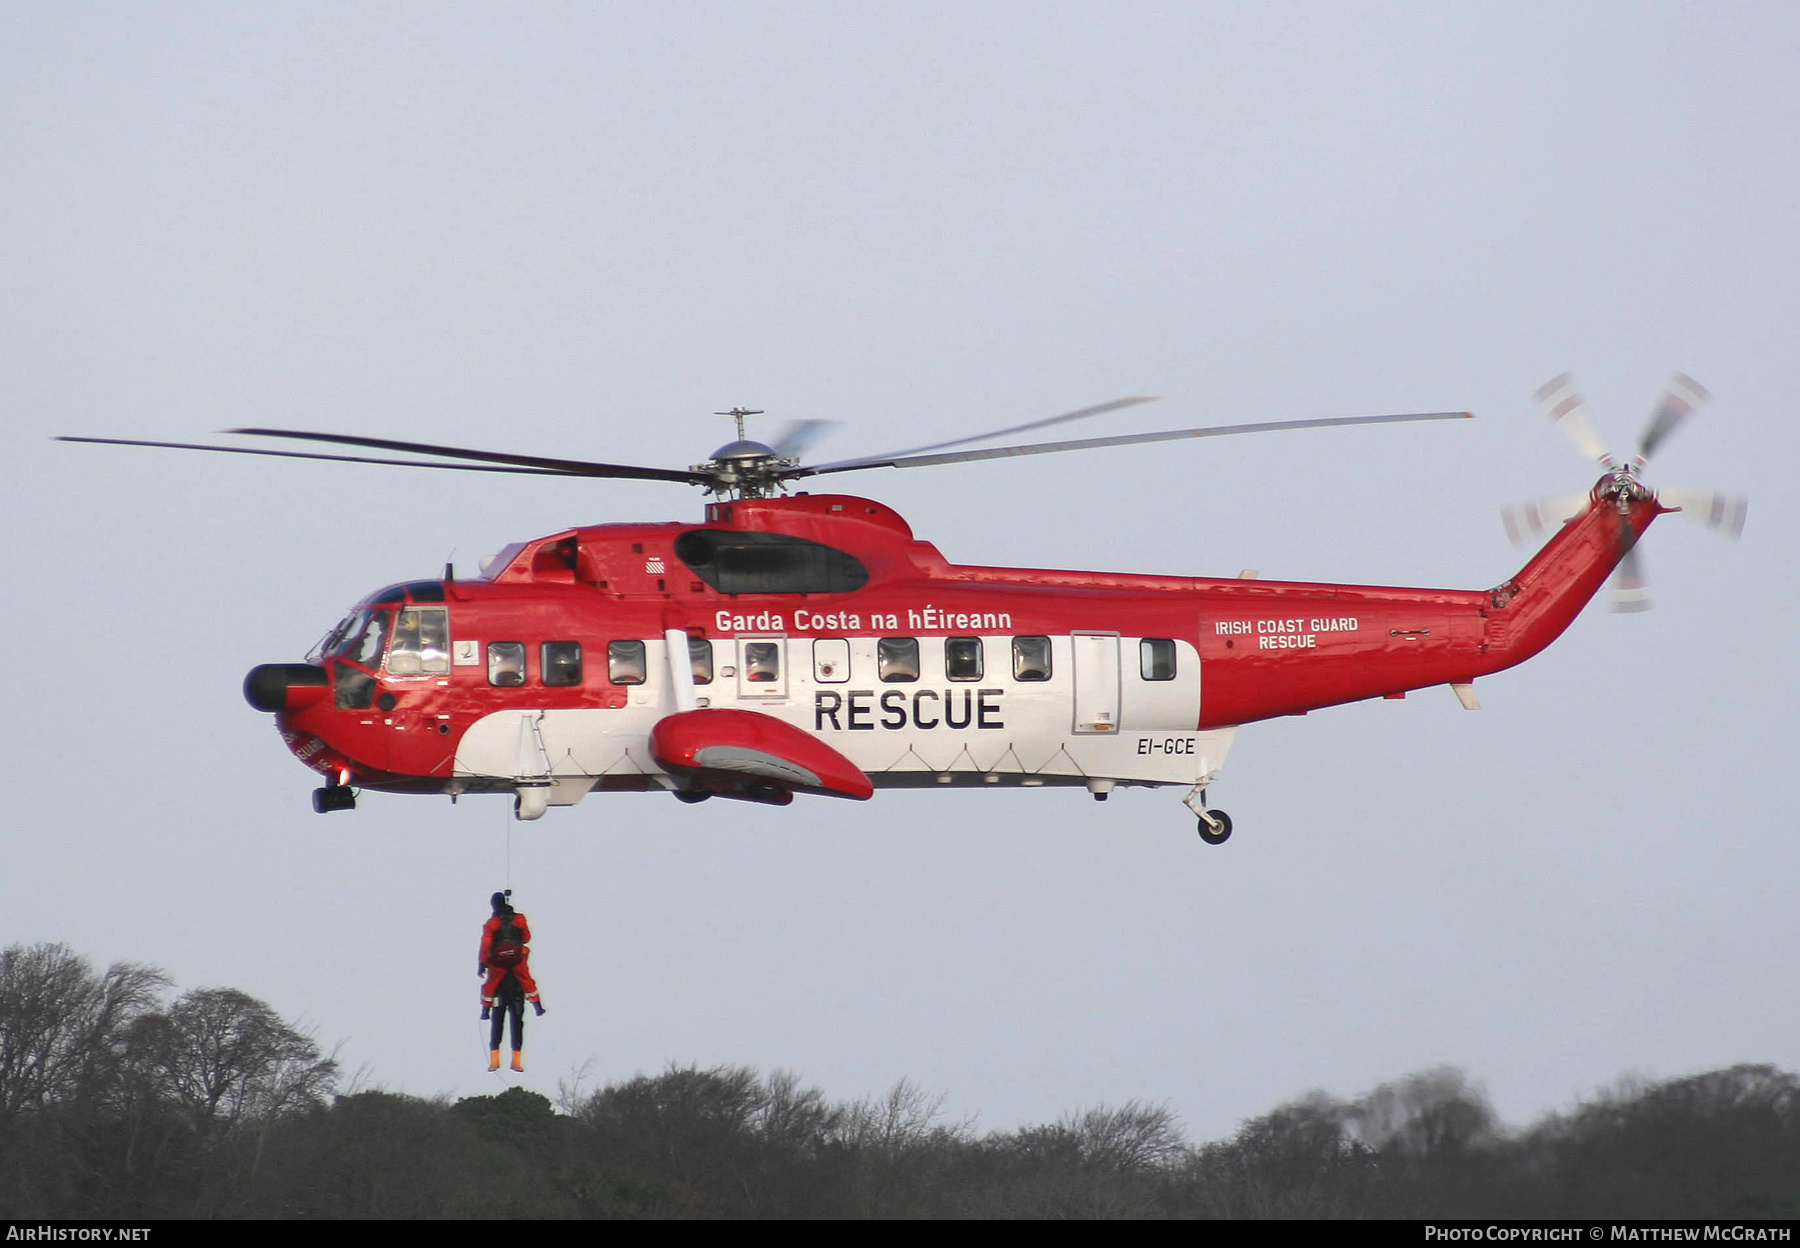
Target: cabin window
point(1031, 658)
point(897, 659)
point(962, 658)
point(625, 662)
point(421, 645)
point(1156, 658)
point(762, 662)
point(561, 663)
point(700, 659)
point(506, 663)
point(768, 563)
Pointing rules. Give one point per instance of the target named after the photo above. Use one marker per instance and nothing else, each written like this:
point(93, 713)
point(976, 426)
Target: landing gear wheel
point(1223, 833)
point(691, 796)
point(333, 797)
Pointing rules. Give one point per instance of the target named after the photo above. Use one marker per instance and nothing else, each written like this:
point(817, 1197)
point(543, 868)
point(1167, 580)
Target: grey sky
point(580, 229)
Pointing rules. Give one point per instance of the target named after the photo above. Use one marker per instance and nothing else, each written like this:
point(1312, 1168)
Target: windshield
point(333, 638)
point(360, 637)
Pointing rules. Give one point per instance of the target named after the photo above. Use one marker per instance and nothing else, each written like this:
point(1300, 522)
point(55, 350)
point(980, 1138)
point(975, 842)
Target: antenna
point(740, 413)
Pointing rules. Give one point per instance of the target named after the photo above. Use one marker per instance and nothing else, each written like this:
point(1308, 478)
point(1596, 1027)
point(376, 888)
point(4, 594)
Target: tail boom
point(1532, 609)
point(1271, 648)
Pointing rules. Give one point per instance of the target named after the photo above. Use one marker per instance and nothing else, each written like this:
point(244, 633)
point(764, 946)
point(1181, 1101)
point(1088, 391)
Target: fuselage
point(823, 611)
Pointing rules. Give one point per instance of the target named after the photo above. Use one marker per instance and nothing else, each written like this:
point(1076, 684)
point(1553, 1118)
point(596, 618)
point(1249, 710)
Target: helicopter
point(808, 643)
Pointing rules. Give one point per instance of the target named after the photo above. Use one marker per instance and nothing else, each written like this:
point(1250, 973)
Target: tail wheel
point(1221, 834)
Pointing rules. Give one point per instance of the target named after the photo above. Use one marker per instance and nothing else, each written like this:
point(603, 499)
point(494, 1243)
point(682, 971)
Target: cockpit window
point(354, 689)
point(361, 637)
point(329, 643)
point(421, 642)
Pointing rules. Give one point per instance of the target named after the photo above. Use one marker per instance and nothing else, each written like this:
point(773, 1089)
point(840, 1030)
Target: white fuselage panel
point(1094, 717)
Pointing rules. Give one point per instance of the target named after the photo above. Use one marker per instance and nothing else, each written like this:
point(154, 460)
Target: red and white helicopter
point(809, 643)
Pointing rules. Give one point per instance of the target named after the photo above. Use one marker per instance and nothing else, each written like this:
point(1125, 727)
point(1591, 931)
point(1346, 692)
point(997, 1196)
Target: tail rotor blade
point(1630, 589)
point(1567, 410)
point(1528, 521)
point(1683, 397)
point(1722, 513)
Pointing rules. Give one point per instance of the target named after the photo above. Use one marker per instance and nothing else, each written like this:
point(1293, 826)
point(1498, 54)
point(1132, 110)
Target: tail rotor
point(1683, 397)
point(1562, 403)
point(1567, 410)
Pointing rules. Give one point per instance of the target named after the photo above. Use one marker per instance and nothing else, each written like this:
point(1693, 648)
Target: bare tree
point(62, 1027)
point(1433, 1114)
point(1130, 1139)
point(1298, 1161)
point(906, 1119)
point(228, 1059)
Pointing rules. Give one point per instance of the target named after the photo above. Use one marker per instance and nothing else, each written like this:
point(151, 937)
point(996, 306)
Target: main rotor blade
point(1133, 439)
point(1721, 513)
point(1679, 401)
point(798, 435)
point(342, 459)
point(878, 461)
point(564, 467)
point(1563, 404)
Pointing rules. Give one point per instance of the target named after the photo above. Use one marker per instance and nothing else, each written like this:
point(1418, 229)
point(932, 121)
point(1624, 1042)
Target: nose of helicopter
point(285, 686)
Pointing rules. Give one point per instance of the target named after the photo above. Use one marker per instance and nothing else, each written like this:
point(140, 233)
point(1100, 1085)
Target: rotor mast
point(745, 468)
point(739, 413)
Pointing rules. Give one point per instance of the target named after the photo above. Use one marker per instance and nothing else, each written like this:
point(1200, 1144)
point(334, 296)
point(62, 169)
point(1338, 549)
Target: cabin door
point(1096, 658)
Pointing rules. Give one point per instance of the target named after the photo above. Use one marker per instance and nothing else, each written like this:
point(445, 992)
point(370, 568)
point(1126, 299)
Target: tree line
point(120, 1099)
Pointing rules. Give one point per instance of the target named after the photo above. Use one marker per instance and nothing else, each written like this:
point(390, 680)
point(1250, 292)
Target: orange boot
point(493, 1059)
point(518, 1060)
